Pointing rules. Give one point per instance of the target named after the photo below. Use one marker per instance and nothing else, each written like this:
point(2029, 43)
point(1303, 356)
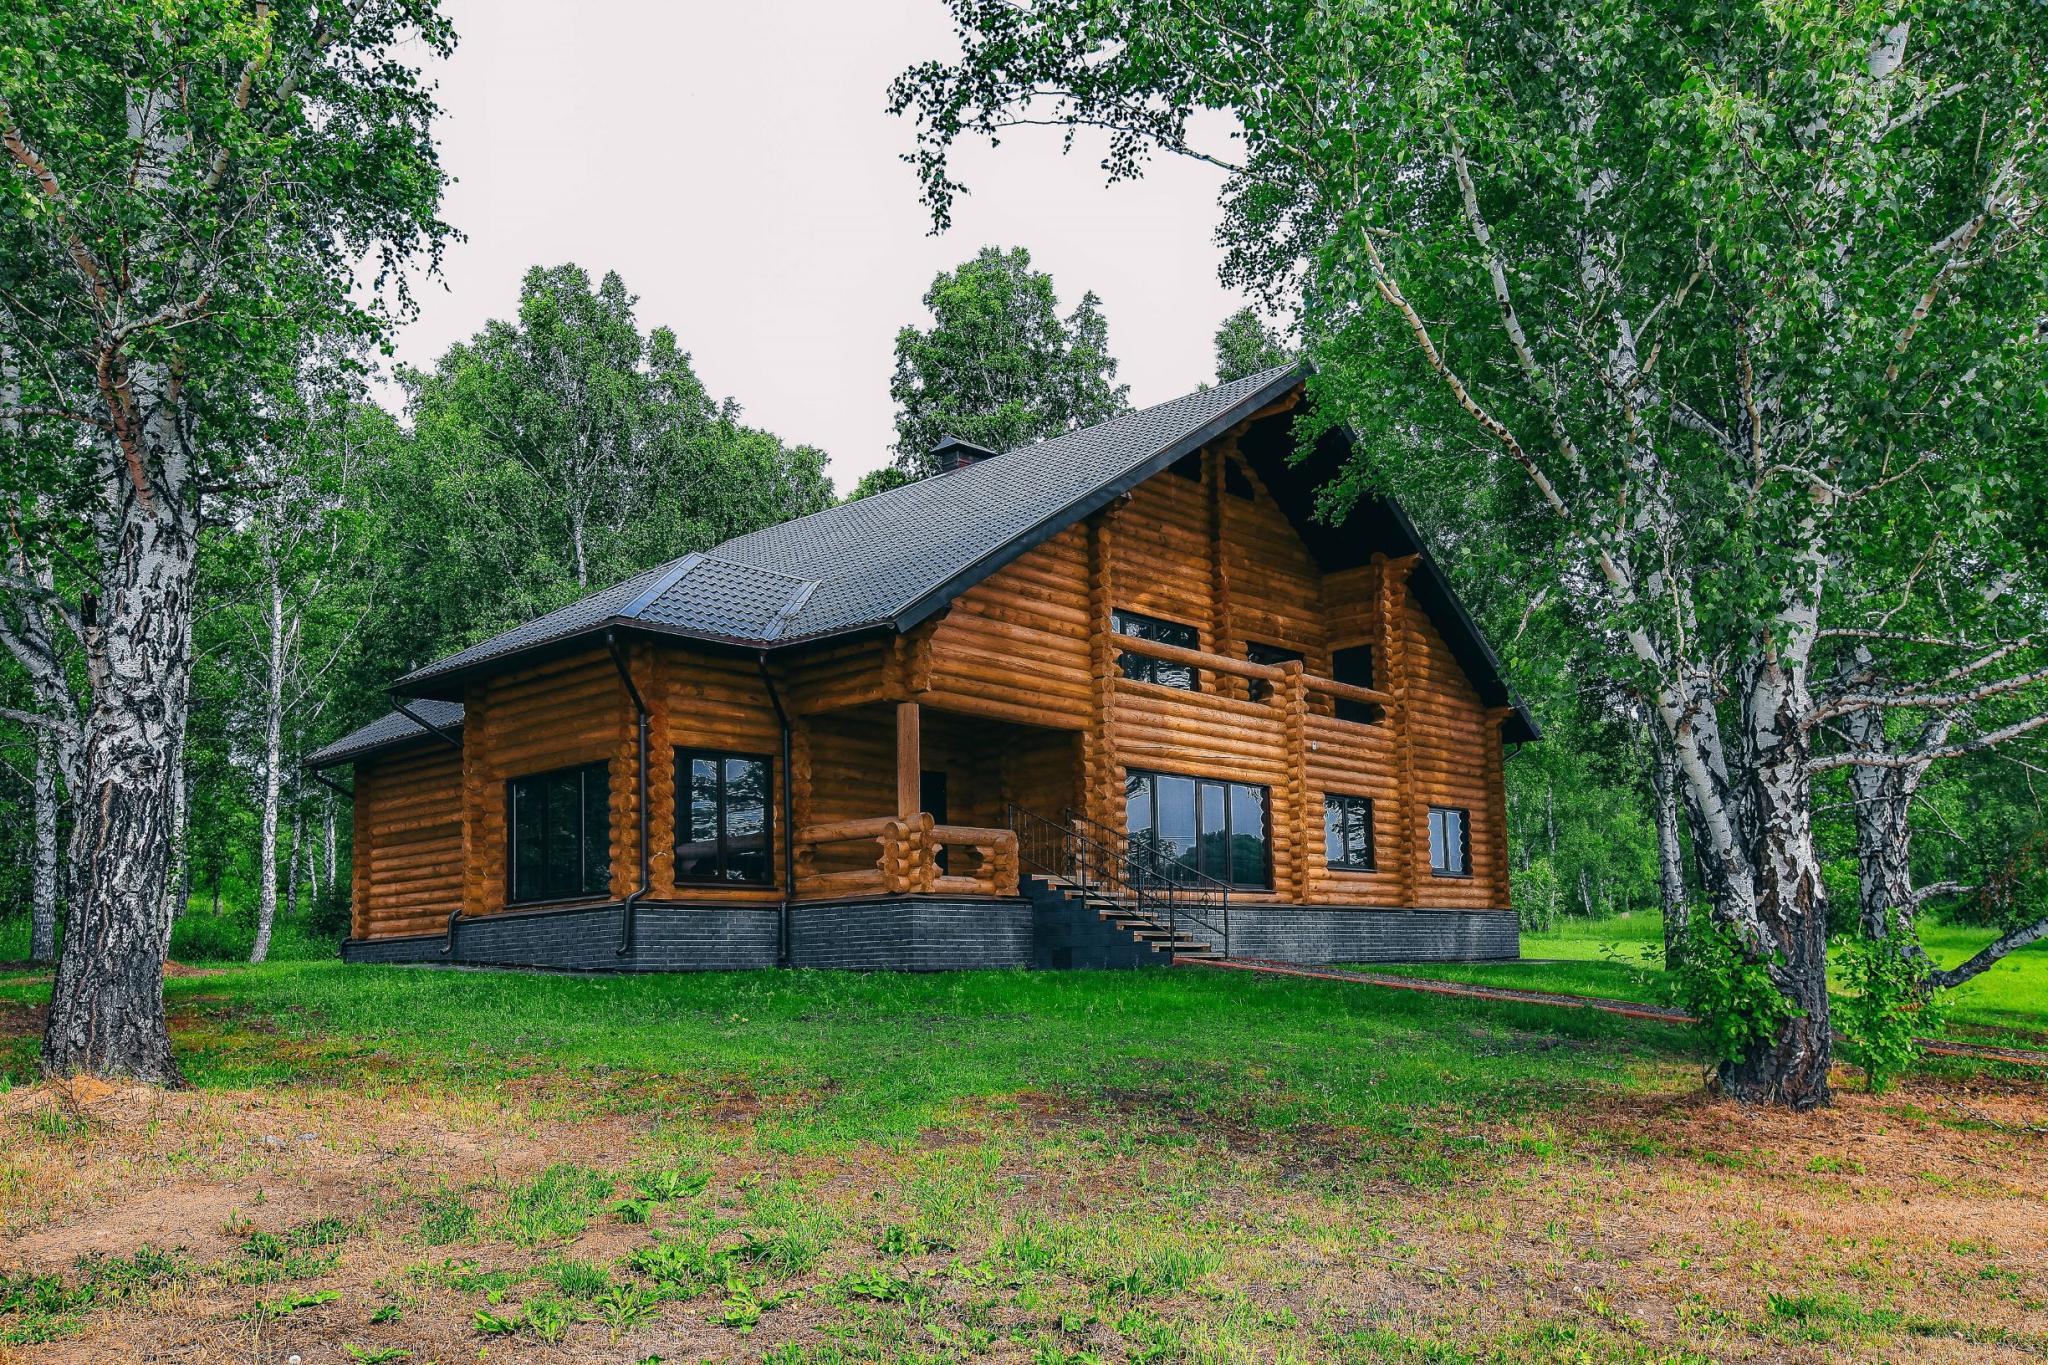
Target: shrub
point(1887, 1007)
point(1728, 991)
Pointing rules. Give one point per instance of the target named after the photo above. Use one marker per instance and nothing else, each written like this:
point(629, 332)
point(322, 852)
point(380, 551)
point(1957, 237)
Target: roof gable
point(888, 561)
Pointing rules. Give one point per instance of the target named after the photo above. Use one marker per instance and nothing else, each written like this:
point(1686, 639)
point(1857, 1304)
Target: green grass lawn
point(812, 1168)
point(1622, 958)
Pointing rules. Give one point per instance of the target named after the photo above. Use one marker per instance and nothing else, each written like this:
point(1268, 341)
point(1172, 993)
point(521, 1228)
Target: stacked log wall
point(408, 868)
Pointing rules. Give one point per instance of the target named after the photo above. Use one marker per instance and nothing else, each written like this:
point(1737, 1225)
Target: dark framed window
point(561, 834)
point(1272, 655)
point(1259, 652)
point(1450, 841)
point(723, 828)
point(1189, 466)
point(1237, 483)
point(1219, 829)
point(1353, 665)
point(1347, 833)
point(1141, 668)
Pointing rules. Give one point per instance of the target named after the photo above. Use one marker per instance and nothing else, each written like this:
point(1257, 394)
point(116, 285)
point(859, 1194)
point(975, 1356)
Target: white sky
point(735, 164)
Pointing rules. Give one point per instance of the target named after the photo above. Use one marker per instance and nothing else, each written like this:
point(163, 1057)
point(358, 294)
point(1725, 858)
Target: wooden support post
point(909, 759)
point(1304, 860)
point(1395, 669)
point(1101, 778)
point(1222, 629)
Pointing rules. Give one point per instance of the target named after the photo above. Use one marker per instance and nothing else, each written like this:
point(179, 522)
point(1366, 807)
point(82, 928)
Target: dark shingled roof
point(387, 732)
point(891, 559)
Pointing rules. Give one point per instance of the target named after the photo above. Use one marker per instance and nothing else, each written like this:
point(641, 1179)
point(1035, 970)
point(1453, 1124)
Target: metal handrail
point(1063, 849)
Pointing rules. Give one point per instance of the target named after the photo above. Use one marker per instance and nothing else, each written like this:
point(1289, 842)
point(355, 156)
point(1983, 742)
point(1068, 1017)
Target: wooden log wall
point(554, 715)
point(1015, 647)
point(408, 841)
point(1022, 699)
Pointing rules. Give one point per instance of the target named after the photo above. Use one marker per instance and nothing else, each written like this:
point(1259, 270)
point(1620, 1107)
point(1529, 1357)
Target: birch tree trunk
point(1670, 852)
point(107, 1005)
point(273, 758)
point(43, 902)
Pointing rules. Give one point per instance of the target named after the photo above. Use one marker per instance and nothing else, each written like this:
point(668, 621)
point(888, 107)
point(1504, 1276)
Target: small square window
point(1347, 833)
point(722, 817)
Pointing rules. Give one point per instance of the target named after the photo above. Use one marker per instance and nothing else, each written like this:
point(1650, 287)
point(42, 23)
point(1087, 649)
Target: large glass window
point(1347, 832)
point(561, 834)
point(1141, 668)
point(1450, 842)
point(1216, 828)
point(722, 824)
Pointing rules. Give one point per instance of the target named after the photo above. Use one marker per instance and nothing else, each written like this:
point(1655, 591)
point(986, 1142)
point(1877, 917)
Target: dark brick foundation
point(912, 934)
point(935, 934)
point(1322, 934)
point(905, 935)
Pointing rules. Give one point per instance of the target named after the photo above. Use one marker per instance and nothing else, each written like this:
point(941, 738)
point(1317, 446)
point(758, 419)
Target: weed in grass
point(577, 1279)
point(555, 1205)
point(682, 1267)
point(374, 1355)
point(465, 1277)
point(668, 1183)
point(390, 1312)
point(622, 1308)
point(447, 1217)
point(634, 1211)
point(780, 1253)
point(288, 1304)
point(741, 1309)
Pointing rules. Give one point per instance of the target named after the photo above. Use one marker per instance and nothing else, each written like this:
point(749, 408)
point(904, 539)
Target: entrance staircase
point(1099, 903)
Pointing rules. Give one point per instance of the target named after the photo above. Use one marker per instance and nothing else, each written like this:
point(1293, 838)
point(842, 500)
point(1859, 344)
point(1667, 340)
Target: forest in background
point(1708, 345)
point(571, 445)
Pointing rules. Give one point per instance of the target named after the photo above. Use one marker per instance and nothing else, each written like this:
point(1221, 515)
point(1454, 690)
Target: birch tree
point(301, 575)
point(1735, 299)
point(188, 192)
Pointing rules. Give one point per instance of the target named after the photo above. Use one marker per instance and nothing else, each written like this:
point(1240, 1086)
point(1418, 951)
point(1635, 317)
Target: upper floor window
point(1258, 652)
point(561, 834)
point(1353, 664)
point(1143, 668)
point(722, 825)
point(1450, 841)
point(1347, 832)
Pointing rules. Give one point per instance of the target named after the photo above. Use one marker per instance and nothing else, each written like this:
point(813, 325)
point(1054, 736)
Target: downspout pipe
point(782, 951)
point(324, 780)
point(632, 901)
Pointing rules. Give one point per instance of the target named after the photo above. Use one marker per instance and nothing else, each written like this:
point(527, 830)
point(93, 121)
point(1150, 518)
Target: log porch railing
point(1278, 675)
point(907, 860)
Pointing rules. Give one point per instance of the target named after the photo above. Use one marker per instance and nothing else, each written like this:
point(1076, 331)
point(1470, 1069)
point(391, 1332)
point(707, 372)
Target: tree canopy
point(1000, 366)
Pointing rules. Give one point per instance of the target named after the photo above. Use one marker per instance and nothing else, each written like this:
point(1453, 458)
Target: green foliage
point(1725, 987)
point(555, 1205)
point(447, 1217)
point(1885, 1006)
point(999, 366)
point(1245, 345)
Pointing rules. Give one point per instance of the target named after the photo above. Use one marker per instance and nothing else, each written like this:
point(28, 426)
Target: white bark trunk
point(273, 757)
point(43, 899)
point(107, 1005)
point(1670, 851)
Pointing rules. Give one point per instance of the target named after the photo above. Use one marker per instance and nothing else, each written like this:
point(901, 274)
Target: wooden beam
point(909, 759)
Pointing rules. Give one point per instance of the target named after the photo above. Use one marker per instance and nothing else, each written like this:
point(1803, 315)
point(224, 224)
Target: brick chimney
point(953, 453)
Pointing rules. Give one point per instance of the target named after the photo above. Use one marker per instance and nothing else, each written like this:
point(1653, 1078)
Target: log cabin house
point(1100, 701)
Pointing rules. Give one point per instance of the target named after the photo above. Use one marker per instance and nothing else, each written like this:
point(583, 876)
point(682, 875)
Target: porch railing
point(1096, 860)
point(907, 858)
